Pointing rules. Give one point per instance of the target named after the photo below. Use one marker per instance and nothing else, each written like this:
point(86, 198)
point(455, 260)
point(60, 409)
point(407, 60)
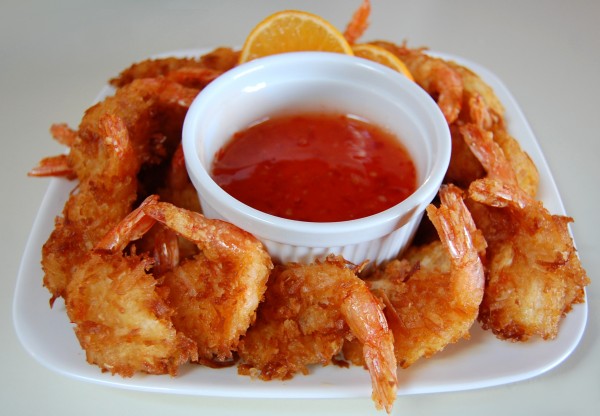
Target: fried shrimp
point(191, 72)
point(116, 138)
point(104, 196)
point(121, 321)
point(480, 103)
point(464, 167)
point(482, 108)
point(534, 275)
point(152, 110)
point(308, 312)
point(216, 293)
point(528, 177)
point(432, 295)
point(434, 75)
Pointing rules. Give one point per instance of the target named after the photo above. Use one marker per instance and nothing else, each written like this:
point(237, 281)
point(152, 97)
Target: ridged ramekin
point(318, 82)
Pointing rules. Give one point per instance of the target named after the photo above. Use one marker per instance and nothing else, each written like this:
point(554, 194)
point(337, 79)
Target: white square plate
point(482, 361)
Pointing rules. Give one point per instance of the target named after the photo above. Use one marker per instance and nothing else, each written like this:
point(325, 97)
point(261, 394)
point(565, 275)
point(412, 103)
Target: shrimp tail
point(132, 227)
point(359, 23)
point(381, 363)
point(489, 153)
point(55, 166)
point(368, 323)
point(455, 227)
point(436, 76)
point(494, 193)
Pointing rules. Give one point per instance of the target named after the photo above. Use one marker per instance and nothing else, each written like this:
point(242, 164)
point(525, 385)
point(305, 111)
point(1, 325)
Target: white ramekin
point(317, 81)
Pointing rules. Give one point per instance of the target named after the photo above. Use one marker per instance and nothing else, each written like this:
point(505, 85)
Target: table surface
point(56, 56)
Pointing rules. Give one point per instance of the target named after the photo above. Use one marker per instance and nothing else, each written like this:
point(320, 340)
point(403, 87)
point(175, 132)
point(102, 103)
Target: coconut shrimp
point(102, 198)
point(464, 167)
point(191, 72)
point(121, 319)
point(482, 108)
point(432, 295)
point(534, 275)
point(480, 103)
point(434, 75)
point(308, 312)
point(527, 175)
point(152, 109)
point(115, 140)
point(214, 294)
point(178, 190)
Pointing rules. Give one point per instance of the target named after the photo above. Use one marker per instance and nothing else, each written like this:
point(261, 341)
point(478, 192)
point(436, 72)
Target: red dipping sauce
point(315, 167)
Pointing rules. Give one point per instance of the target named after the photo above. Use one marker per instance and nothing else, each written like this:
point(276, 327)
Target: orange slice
point(382, 56)
point(293, 31)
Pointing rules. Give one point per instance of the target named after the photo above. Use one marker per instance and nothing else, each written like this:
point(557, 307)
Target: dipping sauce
point(315, 167)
